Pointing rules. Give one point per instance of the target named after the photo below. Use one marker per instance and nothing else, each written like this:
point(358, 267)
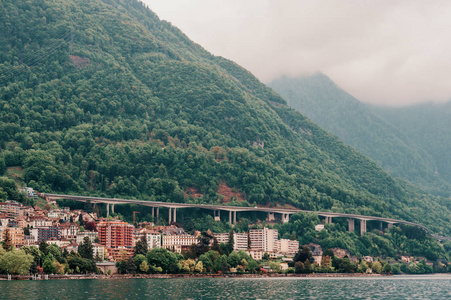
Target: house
point(319, 227)
point(368, 258)
point(68, 230)
point(317, 253)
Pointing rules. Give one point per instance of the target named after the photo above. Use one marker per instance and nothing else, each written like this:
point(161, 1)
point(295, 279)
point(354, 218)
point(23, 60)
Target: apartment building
point(263, 239)
point(114, 234)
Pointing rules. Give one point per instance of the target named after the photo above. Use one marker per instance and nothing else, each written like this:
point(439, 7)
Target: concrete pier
point(351, 225)
point(175, 214)
point(362, 227)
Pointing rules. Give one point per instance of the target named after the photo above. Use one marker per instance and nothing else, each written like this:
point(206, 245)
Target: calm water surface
point(397, 287)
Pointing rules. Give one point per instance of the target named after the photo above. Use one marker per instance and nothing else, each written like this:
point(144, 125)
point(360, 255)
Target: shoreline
point(169, 276)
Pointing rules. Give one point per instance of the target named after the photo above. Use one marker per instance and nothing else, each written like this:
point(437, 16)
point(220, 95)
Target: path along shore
point(135, 276)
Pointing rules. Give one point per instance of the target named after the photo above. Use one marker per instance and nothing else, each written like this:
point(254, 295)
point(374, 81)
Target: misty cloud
point(382, 52)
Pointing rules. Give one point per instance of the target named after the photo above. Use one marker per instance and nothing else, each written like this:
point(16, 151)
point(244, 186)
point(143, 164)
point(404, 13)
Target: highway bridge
point(285, 212)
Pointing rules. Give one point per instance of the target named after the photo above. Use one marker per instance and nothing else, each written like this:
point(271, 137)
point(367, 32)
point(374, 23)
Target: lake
point(391, 287)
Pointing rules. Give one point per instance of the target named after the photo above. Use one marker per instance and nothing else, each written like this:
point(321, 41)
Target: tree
point(48, 266)
point(376, 267)
point(7, 241)
point(144, 267)
point(233, 260)
point(16, 262)
point(43, 247)
point(55, 251)
point(160, 257)
point(138, 259)
point(387, 268)
point(304, 255)
point(91, 226)
point(230, 243)
point(199, 267)
point(141, 246)
point(220, 264)
point(85, 249)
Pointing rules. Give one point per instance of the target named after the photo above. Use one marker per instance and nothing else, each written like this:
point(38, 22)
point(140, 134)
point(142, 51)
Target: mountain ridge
point(365, 128)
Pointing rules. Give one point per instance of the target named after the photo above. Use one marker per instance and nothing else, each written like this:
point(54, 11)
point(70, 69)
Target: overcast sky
point(382, 52)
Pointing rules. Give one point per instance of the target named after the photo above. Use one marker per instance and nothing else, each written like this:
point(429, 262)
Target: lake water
point(393, 287)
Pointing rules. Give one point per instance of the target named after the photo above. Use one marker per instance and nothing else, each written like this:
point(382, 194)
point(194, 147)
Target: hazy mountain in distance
point(391, 141)
point(429, 126)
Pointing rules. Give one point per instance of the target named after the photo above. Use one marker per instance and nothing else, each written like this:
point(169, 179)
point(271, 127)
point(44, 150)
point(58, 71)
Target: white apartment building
point(263, 239)
point(288, 247)
point(153, 239)
point(240, 240)
point(178, 242)
point(91, 234)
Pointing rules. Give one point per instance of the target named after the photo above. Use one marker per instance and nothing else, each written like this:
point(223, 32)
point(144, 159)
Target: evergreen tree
point(141, 246)
point(43, 247)
point(230, 242)
point(85, 249)
point(7, 241)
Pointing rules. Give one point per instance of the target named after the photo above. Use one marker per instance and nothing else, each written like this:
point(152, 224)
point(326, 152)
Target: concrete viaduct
point(285, 212)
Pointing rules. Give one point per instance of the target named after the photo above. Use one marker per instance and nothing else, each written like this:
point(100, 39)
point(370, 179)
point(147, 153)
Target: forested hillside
point(410, 143)
point(429, 126)
point(103, 98)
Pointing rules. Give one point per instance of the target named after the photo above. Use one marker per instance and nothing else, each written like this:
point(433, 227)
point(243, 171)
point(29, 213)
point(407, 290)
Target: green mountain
point(428, 126)
point(103, 98)
point(409, 143)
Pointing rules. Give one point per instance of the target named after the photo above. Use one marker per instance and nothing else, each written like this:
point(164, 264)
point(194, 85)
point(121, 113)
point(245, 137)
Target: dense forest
point(408, 142)
point(429, 126)
point(102, 98)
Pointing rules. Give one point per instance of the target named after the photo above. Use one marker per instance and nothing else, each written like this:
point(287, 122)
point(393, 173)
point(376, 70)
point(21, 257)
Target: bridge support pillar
point(351, 225)
point(107, 209)
point(217, 215)
point(170, 216)
point(362, 227)
point(389, 226)
point(328, 220)
point(175, 214)
point(230, 216)
point(153, 212)
point(158, 212)
point(234, 217)
point(381, 226)
point(285, 218)
point(271, 217)
point(112, 208)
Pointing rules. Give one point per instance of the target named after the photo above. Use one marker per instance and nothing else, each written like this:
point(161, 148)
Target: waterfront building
point(153, 239)
point(317, 253)
point(98, 251)
point(114, 234)
point(255, 254)
point(288, 247)
point(263, 239)
point(240, 240)
point(178, 243)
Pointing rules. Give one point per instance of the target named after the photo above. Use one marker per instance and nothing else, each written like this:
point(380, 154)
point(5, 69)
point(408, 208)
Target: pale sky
point(381, 51)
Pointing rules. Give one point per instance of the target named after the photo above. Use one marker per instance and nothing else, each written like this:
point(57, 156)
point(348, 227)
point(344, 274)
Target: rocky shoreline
point(166, 276)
